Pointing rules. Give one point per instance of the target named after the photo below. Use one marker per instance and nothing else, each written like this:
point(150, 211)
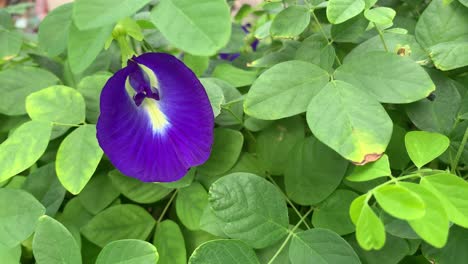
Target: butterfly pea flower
point(156, 121)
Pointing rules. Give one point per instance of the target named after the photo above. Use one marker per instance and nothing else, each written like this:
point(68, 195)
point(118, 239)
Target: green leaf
point(423, 147)
point(58, 103)
point(350, 122)
point(223, 251)
point(226, 150)
point(215, 94)
point(136, 190)
point(333, 212)
point(394, 251)
point(394, 42)
point(200, 29)
point(90, 87)
point(370, 171)
point(236, 113)
point(183, 182)
point(170, 243)
point(10, 44)
point(275, 143)
point(6, 21)
point(74, 214)
point(19, 215)
point(128, 251)
point(88, 14)
point(44, 185)
point(286, 53)
point(401, 81)
point(119, 222)
point(453, 252)
point(210, 223)
point(396, 149)
point(98, 194)
point(321, 246)
point(240, 196)
point(433, 227)
point(263, 31)
point(370, 231)
point(451, 191)
point(10, 255)
point(193, 239)
point(248, 162)
point(351, 30)
point(380, 15)
point(15, 87)
point(84, 46)
point(356, 207)
point(53, 30)
point(312, 165)
point(400, 202)
point(265, 254)
point(235, 76)
point(23, 148)
point(439, 115)
point(440, 32)
point(53, 243)
point(190, 203)
point(236, 41)
point(316, 50)
point(77, 158)
point(338, 11)
point(290, 22)
point(284, 90)
point(198, 64)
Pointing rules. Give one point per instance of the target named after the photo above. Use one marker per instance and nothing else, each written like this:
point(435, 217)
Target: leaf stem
point(228, 104)
point(381, 37)
point(291, 233)
point(460, 151)
point(174, 194)
point(228, 108)
point(288, 200)
point(324, 34)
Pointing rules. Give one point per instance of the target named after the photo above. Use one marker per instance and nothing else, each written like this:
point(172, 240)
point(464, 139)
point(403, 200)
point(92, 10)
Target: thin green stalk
point(174, 194)
point(381, 37)
point(233, 114)
point(324, 34)
point(229, 104)
point(288, 201)
point(460, 151)
point(228, 108)
point(291, 233)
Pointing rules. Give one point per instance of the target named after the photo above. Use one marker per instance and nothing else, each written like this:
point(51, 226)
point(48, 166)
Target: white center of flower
point(157, 117)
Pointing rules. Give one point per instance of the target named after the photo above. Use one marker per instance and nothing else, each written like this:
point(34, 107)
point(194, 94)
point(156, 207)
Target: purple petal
point(159, 140)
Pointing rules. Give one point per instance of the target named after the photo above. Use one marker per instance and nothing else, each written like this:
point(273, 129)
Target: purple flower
point(156, 120)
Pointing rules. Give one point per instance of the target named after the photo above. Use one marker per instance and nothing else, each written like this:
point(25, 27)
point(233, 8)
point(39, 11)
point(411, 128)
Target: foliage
point(341, 134)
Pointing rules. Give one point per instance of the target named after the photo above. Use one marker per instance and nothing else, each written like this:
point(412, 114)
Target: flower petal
point(160, 140)
point(185, 103)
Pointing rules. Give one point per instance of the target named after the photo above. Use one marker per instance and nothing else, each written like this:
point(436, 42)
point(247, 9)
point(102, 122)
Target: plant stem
point(291, 233)
point(381, 37)
point(288, 201)
point(324, 34)
point(174, 194)
point(460, 151)
point(228, 108)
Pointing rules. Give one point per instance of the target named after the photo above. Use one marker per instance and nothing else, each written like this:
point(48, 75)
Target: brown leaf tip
point(369, 158)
